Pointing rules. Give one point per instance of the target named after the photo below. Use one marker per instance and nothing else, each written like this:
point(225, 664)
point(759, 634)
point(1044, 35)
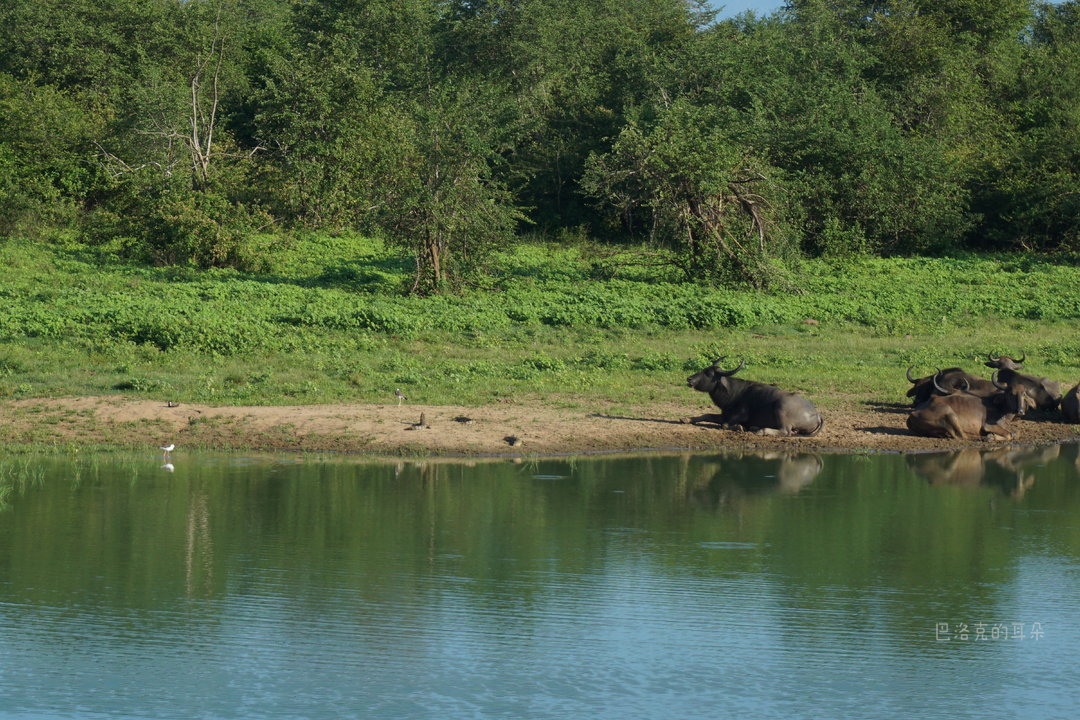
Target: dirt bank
point(450, 430)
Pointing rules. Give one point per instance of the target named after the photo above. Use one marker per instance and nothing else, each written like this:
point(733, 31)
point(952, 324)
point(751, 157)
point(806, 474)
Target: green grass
point(329, 323)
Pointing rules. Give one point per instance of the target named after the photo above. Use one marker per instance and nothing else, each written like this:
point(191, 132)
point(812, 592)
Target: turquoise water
point(630, 587)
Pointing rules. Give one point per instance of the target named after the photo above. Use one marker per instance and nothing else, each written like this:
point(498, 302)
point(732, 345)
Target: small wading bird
point(399, 395)
point(168, 448)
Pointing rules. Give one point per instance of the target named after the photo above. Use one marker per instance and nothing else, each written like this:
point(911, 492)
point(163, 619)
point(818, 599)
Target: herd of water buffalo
point(951, 403)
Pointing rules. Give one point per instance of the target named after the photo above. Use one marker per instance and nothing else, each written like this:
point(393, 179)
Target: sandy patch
point(395, 430)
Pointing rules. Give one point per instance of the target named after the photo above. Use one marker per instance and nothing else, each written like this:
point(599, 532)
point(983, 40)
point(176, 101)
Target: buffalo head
point(1005, 362)
point(1013, 399)
point(707, 380)
point(962, 385)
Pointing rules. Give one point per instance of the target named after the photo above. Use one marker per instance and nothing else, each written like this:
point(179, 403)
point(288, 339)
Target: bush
point(202, 229)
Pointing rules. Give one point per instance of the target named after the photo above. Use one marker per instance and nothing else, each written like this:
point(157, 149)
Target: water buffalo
point(1045, 393)
point(1070, 405)
point(964, 416)
point(755, 406)
point(922, 389)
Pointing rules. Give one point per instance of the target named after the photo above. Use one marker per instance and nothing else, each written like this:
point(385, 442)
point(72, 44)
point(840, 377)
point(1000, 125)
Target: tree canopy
point(181, 128)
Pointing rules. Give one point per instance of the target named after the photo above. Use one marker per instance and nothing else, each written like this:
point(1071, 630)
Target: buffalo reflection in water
point(1008, 469)
point(727, 478)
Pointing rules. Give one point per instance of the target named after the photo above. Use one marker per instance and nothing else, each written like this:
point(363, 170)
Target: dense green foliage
point(82, 294)
point(327, 323)
point(180, 131)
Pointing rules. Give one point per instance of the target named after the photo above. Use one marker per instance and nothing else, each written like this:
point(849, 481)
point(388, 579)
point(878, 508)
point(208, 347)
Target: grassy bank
point(326, 322)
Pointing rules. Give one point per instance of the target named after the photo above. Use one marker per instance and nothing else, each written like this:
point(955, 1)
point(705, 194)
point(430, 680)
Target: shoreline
point(541, 430)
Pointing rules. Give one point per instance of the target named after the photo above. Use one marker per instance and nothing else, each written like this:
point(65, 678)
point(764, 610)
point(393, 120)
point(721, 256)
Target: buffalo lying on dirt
point(1045, 393)
point(1070, 405)
point(755, 406)
point(962, 415)
point(954, 378)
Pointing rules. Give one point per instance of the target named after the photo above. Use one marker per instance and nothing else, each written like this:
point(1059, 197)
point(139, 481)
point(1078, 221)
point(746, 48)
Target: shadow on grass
point(894, 408)
point(371, 274)
point(640, 419)
point(890, 409)
point(884, 430)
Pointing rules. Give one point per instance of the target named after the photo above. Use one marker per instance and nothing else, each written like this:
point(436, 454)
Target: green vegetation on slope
point(324, 325)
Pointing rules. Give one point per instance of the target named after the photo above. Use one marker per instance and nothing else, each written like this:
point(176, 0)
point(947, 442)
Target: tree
point(335, 141)
point(698, 190)
point(800, 91)
point(1033, 201)
point(44, 161)
point(370, 128)
point(572, 69)
point(446, 206)
point(172, 129)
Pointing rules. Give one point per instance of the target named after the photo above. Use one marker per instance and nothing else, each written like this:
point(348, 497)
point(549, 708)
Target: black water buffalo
point(1070, 405)
point(962, 415)
point(755, 406)
point(1045, 393)
point(954, 378)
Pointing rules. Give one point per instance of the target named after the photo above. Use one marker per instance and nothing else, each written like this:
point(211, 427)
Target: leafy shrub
point(545, 363)
point(202, 229)
point(10, 364)
point(840, 241)
point(1066, 354)
point(357, 278)
point(657, 361)
point(704, 355)
point(140, 384)
point(36, 318)
point(604, 360)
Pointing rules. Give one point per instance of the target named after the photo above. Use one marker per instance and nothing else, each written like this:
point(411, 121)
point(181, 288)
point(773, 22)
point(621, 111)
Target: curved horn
point(967, 385)
point(726, 373)
point(1022, 359)
point(937, 372)
point(909, 378)
point(999, 386)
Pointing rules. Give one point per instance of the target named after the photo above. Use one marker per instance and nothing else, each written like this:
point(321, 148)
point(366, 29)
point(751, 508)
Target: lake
point(677, 586)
